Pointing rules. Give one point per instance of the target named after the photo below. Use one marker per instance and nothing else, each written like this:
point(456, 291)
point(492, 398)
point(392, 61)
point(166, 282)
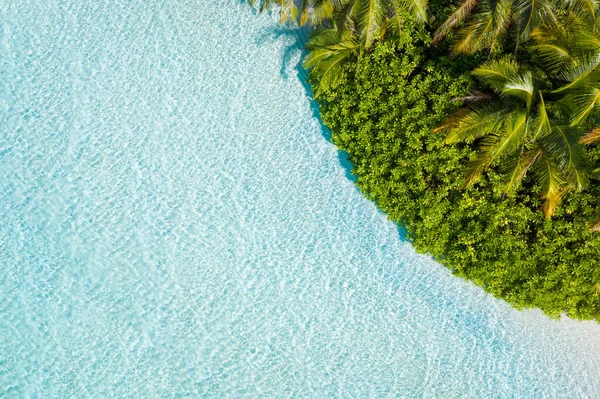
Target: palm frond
point(577, 177)
point(585, 8)
point(457, 18)
point(328, 52)
point(477, 122)
point(587, 40)
point(502, 20)
point(554, 57)
point(552, 184)
point(595, 227)
point(497, 73)
point(592, 137)
point(530, 14)
point(562, 145)
point(476, 35)
point(585, 104)
point(576, 76)
point(371, 18)
point(303, 10)
point(541, 125)
point(417, 8)
point(395, 21)
point(520, 165)
point(512, 136)
point(476, 167)
point(287, 11)
point(520, 86)
point(526, 11)
point(321, 10)
point(330, 72)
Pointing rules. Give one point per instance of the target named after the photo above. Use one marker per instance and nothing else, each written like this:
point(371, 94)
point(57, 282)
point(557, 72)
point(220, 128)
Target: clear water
point(173, 223)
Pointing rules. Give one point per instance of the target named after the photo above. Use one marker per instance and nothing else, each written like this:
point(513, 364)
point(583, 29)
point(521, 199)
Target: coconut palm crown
point(367, 20)
point(517, 124)
point(485, 24)
point(538, 118)
point(344, 28)
point(570, 52)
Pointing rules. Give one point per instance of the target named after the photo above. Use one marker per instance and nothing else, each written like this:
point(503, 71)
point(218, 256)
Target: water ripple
point(174, 223)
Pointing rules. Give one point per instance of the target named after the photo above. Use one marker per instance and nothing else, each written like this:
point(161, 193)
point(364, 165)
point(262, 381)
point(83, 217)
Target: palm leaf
point(303, 12)
point(512, 137)
point(520, 86)
point(330, 72)
point(457, 18)
point(418, 8)
point(577, 177)
point(463, 45)
point(521, 164)
point(542, 126)
point(321, 10)
point(474, 123)
point(587, 39)
point(530, 14)
point(526, 10)
point(552, 184)
point(561, 144)
point(586, 8)
point(502, 20)
point(370, 21)
point(476, 167)
point(586, 104)
point(328, 52)
point(396, 18)
point(577, 75)
point(497, 73)
point(476, 35)
point(592, 137)
point(288, 11)
point(554, 57)
point(595, 226)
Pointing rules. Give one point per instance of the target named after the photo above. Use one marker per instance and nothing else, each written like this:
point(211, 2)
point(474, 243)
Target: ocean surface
point(174, 223)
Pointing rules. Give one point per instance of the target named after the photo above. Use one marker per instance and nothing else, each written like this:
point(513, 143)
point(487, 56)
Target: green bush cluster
point(383, 114)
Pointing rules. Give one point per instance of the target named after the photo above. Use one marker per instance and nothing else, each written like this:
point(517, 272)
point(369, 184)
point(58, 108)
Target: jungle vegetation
point(476, 127)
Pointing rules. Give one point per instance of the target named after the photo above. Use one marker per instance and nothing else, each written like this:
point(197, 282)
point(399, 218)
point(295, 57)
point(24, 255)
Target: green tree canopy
point(383, 113)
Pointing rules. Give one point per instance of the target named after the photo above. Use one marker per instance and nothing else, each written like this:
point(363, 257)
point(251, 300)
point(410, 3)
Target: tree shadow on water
point(293, 55)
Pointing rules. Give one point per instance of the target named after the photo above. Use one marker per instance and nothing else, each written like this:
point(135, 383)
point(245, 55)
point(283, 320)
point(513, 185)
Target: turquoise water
point(174, 224)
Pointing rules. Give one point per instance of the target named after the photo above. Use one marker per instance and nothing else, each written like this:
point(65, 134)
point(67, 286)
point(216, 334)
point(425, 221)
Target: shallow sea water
point(173, 223)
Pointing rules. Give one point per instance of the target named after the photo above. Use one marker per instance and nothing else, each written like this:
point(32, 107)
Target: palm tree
point(535, 117)
point(300, 12)
point(519, 128)
point(485, 24)
point(570, 51)
point(328, 51)
point(343, 29)
point(366, 20)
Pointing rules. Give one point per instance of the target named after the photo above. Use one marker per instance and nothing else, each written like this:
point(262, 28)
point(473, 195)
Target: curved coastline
point(514, 260)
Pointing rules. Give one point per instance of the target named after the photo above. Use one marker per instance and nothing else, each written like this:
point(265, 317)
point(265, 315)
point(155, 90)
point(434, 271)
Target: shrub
point(383, 114)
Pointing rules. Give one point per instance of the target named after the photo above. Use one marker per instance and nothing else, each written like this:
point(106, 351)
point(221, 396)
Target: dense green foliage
point(497, 176)
point(383, 113)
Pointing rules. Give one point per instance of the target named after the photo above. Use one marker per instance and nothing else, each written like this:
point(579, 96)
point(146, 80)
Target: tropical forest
point(475, 126)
